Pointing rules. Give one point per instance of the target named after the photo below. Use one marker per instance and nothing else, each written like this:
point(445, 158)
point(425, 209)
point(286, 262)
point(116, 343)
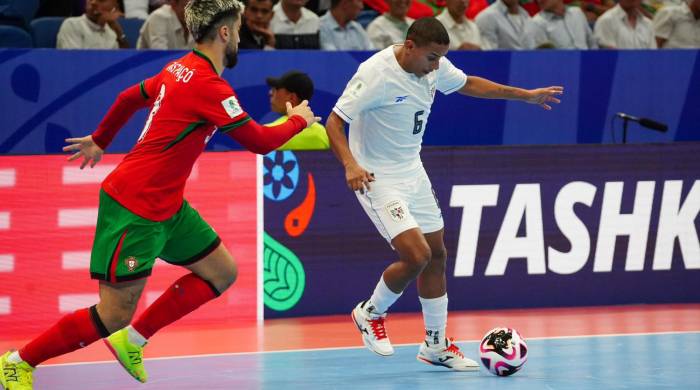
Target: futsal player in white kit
point(387, 103)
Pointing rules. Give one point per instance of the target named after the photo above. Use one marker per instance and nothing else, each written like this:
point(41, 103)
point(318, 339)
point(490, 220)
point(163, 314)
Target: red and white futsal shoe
point(371, 326)
point(446, 355)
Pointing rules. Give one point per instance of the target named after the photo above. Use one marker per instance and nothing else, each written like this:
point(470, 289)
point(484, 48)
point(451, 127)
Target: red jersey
point(189, 102)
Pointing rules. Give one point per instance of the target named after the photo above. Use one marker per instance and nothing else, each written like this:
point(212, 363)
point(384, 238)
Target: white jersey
point(388, 108)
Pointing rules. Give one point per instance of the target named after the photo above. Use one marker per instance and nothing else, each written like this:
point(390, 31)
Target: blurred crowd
point(373, 24)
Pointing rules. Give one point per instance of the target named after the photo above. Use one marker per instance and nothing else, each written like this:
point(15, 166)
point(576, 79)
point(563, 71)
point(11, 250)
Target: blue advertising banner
point(528, 226)
point(49, 95)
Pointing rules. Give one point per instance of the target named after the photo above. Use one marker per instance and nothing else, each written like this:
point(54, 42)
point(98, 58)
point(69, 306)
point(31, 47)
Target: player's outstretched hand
point(543, 96)
point(304, 111)
point(85, 147)
point(358, 178)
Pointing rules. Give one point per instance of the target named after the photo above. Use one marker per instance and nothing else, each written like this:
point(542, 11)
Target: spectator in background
point(502, 25)
point(165, 28)
point(678, 26)
point(255, 30)
point(137, 9)
point(625, 27)
point(464, 34)
point(295, 87)
point(97, 28)
point(295, 27)
point(592, 8)
point(340, 31)
point(560, 27)
point(390, 27)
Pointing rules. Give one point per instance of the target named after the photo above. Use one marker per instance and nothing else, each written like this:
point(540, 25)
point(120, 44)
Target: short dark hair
point(428, 30)
point(334, 3)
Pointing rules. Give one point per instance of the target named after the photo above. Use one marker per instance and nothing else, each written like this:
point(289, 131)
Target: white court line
point(363, 347)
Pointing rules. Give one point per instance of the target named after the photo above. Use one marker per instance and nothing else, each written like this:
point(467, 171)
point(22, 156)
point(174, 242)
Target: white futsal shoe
point(371, 326)
point(446, 355)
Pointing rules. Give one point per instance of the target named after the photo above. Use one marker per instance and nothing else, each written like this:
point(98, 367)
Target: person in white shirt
point(387, 104)
point(560, 27)
point(340, 31)
point(97, 28)
point(294, 26)
point(165, 28)
point(502, 25)
point(464, 34)
point(391, 27)
point(678, 26)
point(136, 9)
point(624, 27)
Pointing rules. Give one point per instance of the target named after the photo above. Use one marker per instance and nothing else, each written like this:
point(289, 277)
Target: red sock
point(186, 294)
point(74, 331)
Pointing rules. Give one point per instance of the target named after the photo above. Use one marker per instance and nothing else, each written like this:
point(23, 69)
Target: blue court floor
point(654, 361)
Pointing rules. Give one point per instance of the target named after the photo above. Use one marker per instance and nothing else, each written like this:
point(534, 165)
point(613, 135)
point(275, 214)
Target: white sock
point(14, 358)
point(135, 337)
point(382, 297)
point(435, 318)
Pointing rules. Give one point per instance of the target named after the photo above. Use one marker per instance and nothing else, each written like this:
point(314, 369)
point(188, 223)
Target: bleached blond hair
point(202, 15)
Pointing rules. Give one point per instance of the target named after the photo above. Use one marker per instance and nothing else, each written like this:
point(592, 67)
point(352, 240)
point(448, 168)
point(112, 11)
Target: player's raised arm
point(356, 177)
point(483, 88)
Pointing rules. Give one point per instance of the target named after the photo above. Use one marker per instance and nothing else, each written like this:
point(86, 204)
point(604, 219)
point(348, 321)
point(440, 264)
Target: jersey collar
point(200, 54)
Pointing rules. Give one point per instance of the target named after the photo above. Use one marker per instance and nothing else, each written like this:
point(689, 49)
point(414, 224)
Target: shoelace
point(454, 349)
point(378, 327)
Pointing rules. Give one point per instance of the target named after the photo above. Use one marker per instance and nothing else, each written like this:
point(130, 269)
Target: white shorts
point(395, 206)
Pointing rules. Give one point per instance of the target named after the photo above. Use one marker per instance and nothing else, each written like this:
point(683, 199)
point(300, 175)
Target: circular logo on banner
point(283, 276)
point(280, 175)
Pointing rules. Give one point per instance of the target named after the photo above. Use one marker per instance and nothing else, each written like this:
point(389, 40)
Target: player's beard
point(231, 57)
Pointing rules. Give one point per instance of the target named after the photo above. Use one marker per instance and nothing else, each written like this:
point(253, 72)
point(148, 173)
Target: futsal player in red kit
point(142, 213)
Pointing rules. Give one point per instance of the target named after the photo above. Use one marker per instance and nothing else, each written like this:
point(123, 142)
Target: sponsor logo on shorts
point(396, 210)
point(131, 263)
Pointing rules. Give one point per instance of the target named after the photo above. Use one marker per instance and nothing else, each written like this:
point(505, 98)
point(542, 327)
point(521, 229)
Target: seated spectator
point(502, 25)
point(592, 8)
point(165, 28)
point(295, 87)
point(464, 34)
point(137, 9)
point(390, 27)
point(560, 27)
point(97, 28)
point(340, 31)
point(295, 27)
point(678, 26)
point(624, 27)
point(255, 29)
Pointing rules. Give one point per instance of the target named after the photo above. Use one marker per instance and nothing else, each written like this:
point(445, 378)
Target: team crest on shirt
point(233, 109)
point(396, 210)
point(356, 87)
point(131, 263)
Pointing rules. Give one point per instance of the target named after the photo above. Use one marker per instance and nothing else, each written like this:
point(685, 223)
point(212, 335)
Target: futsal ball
point(503, 351)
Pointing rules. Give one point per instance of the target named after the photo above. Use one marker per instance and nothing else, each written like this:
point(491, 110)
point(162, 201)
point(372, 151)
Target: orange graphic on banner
point(298, 219)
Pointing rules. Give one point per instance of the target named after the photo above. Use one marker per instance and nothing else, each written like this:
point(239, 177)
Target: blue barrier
point(525, 226)
point(48, 95)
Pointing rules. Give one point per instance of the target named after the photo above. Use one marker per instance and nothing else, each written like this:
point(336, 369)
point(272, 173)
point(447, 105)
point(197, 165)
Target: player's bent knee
point(418, 257)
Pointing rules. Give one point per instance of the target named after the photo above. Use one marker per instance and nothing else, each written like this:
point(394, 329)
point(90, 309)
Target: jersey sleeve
point(220, 106)
point(364, 91)
point(449, 77)
point(127, 103)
